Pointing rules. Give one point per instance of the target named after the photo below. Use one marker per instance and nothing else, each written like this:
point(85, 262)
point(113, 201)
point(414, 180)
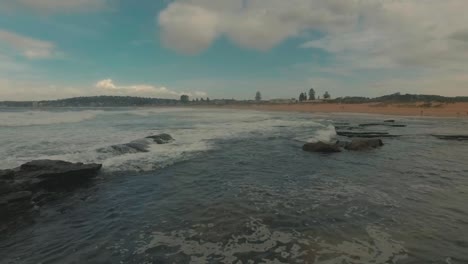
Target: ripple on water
point(259, 244)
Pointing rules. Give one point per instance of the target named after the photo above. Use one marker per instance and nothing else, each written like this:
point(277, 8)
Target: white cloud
point(255, 24)
point(53, 6)
point(108, 86)
point(187, 28)
point(28, 47)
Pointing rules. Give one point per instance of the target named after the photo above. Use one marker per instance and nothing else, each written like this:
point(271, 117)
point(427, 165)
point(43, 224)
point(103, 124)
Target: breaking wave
point(117, 138)
point(33, 118)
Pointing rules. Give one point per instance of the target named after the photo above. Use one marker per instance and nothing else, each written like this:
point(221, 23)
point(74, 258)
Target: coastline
point(456, 110)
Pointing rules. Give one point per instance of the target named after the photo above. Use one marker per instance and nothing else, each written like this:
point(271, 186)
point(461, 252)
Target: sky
point(52, 49)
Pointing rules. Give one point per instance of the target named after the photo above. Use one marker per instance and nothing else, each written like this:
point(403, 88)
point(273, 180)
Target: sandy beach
point(403, 109)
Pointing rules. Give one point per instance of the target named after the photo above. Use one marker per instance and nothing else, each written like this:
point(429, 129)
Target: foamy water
point(77, 135)
point(235, 187)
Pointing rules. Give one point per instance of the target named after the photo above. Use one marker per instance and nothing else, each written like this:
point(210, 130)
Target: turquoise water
point(235, 187)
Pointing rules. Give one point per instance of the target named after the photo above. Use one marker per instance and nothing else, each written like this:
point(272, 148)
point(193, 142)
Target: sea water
point(235, 187)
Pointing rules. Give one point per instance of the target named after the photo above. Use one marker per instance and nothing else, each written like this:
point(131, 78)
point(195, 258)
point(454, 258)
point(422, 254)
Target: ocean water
point(235, 187)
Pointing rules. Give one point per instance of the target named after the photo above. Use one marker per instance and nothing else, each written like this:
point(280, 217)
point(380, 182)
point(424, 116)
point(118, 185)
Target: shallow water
point(235, 187)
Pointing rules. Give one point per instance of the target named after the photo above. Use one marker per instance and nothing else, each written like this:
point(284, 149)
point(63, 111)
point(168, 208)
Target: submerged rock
point(363, 144)
point(365, 134)
point(452, 137)
point(386, 123)
point(132, 147)
point(370, 124)
point(321, 147)
point(161, 138)
point(137, 146)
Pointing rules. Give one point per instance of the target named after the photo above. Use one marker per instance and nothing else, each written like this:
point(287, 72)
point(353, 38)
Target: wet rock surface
point(29, 185)
point(365, 134)
point(161, 138)
point(137, 146)
point(363, 130)
point(452, 137)
point(364, 144)
point(321, 147)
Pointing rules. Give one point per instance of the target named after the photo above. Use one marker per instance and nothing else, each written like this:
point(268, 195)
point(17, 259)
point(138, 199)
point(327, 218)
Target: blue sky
point(231, 48)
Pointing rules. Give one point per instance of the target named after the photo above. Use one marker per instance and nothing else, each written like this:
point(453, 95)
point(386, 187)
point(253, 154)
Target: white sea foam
point(30, 118)
point(289, 247)
point(322, 133)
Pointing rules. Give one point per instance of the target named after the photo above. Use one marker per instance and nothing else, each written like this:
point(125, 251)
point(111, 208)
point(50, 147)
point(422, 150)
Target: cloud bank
point(403, 42)
point(108, 86)
point(383, 33)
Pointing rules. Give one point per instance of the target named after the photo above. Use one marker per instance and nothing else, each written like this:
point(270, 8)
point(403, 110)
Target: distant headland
point(393, 104)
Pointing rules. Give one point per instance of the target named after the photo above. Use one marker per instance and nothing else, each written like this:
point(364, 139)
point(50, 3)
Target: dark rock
point(136, 146)
point(365, 134)
point(364, 144)
point(452, 137)
point(54, 174)
point(321, 147)
point(381, 124)
point(131, 147)
point(161, 138)
point(389, 121)
point(341, 144)
point(5, 187)
point(370, 124)
point(6, 174)
point(43, 197)
point(348, 128)
point(17, 197)
point(14, 203)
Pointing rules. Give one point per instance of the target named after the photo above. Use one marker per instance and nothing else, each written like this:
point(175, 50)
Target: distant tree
point(184, 98)
point(208, 99)
point(258, 96)
point(311, 94)
point(302, 97)
point(196, 100)
point(202, 100)
point(326, 95)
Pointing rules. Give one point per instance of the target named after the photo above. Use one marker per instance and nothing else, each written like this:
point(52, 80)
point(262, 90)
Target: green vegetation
point(185, 99)
point(302, 97)
point(92, 101)
point(311, 94)
point(401, 98)
point(129, 101)
point(258, 97)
